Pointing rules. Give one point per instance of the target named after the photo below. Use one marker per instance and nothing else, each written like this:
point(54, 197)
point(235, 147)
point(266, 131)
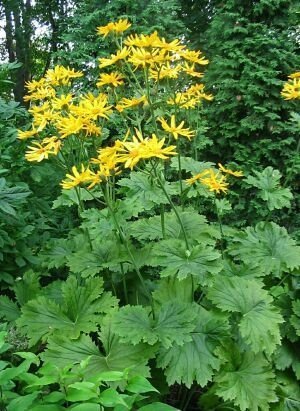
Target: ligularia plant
point(151, 277)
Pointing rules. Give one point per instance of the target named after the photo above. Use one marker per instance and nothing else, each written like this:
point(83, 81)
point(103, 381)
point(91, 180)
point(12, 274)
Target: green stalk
point(173, 207)
point(126, 245)
point(221, 228)
point(81, 209)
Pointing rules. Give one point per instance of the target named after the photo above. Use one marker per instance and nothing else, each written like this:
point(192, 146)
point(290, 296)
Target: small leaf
point(139, 385)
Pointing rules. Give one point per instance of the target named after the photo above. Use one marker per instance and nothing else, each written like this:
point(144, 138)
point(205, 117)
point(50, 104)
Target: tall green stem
point(173, 207)
point(126, 245)
point(221, 228)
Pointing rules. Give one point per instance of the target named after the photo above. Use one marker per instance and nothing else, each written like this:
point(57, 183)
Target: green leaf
point(268, 182)
point(172, 289)
point(117, 356)
point(8, 309)
point(139, 385)
point(199, 261)
point(195, 360)
point(23, 403)
point(70, 197)
point(81, 391)
point(295, 318)
point(110, 398)
point(142, 189)
point(288, 393)
point(267, 247)
point(246, 380)
point(191, 165)
point(194, 224)
point(158, 406)
point(259, 320)
point(85, 407)
point(27, 287)
point(174, 323)
point(80, 310)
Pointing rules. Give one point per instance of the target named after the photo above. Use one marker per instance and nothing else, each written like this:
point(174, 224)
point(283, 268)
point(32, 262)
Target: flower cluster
point(291, 89)
point(215, 181)
point(68, 125)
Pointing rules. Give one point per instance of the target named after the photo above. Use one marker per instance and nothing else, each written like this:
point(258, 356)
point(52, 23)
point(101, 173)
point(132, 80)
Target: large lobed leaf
point(78, 313)
point(199, 260)
point(246, 379)
point(259, 319)
point(173, 323)
point(195, 360)
point(267, 247)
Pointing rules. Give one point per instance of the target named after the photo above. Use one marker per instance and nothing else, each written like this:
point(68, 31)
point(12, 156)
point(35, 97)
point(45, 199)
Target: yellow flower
point(61, 102)
point(193, 56)
point(228, 171)
point(34, 85)
point(190, 70)
point(142, 57)
point(114, 58)
point(108, 156)
point(42, 119)
point(92, 107)
point(151, 40)
point(69, 125)
point(174, 46)
point(40, 151)
point(291, 89)
point(77, 178)
point(176, 130)
point(61, 75)
point(127, 103)
point(154, 148)
point(165, 71)
point(209, 178)
point(114, 79)
point(118, 27)
point(197, 177)
point(143, 148)
point(24, 135)
point(295, 75)
point(40, 94)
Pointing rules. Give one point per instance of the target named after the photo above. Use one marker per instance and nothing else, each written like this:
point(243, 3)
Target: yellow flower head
point(118, 27)
point(141, 57)
point(114, 58)
point(61, 75)
point(128, 103)
point(190, 70)
point(211, 179)
point(143, 148)
point(228, 171)
point(193, 56)
point(291, 89)
point(176, 130)
point(135, 40)
point(40, 151)
point(114, 79)
point(77, 178)
point(165, 71)
point(24, 135)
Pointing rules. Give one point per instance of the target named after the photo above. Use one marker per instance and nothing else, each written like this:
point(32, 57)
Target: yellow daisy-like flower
point(24, 135)
point(151, 40)
point(61, 102)
point(228, 171)
point(125, 103)
point(61, 75)
point(176, 130)
point(69, 125)
point(40, 151)
point(193, 56)
point(295, 75)
point(114, 58)
point(77, 178)
point(190, 70)
point(41, 93)
point(143, 148)
point(291, 89)
point(92, 107)
point(197, 177)
point(114, 79)
point(141, 57)
point(165, 71)
point(209, 178)
point(114, 27)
